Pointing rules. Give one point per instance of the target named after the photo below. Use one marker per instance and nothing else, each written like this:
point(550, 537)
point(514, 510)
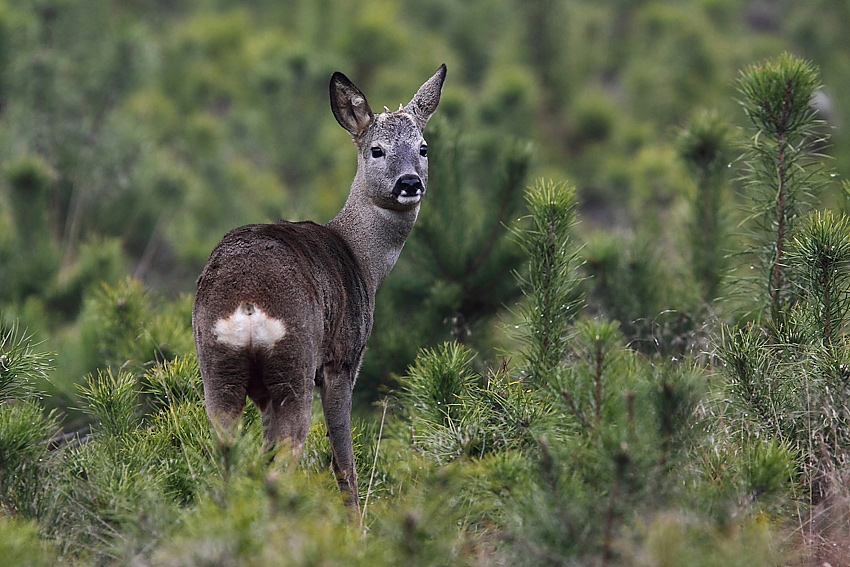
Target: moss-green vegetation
point(647, 365)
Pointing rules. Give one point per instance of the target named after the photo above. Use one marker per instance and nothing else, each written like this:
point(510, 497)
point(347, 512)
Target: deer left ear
point(425, 101)
point(349, 105)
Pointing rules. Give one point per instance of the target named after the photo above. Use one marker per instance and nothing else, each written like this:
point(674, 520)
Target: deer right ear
point(349, 105)
point(425, 101)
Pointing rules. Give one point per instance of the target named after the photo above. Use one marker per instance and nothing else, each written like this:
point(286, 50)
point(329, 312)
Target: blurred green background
point(135, 133)
point(663, 383)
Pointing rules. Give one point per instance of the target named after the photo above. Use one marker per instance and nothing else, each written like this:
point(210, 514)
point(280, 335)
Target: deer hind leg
point(336, 405)
point(287, 402)
point(225, 373)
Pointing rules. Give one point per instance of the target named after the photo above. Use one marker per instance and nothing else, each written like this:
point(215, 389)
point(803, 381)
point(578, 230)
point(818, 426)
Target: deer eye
point(423, 150)
point(377, 152)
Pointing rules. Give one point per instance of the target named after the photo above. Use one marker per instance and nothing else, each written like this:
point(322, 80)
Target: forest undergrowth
point(715, 433)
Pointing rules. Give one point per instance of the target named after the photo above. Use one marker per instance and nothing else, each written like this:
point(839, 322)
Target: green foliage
point(190, 120)
point(112, 400)
point(24, 426)
point(179, 428)
point(682, 60)
point(677, 539)
point(255, 519)
point(768, 469)
point(778, 390)
point(551, 282)
point(122, 487)
point(591, 383)
point(111, 499)
point(29, 255)
point(788, 377)
point(594, 118)
point(462, 243)
point(780, 178)
point(704, 146)
point(285, 518)
point(113, 319)
point(99, 262)
point(175, 382)
point(777, 97)
point(454, 413)
point(438, 382)
point(632, 284)
point(28, 180)
point(23, 431)
point(626, 459)
point(122, 327)
point(609, 433)
point(21, 546)
point(820, 256)
point(131, 138)
point(21, 365)
point(753, 377)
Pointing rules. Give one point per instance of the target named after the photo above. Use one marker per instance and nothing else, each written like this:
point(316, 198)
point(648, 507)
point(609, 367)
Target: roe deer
point(283, 307)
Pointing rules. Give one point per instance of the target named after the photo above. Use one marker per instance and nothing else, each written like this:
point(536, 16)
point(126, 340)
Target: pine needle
point(374, 466)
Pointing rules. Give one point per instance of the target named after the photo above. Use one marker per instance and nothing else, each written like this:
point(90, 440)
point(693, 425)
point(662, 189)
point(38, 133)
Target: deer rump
point(271, 297)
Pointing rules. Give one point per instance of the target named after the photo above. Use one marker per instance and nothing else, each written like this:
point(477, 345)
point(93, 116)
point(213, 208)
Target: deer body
point(283, 307)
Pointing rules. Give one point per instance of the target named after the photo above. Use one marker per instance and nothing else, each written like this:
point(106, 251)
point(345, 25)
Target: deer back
point(298, 281)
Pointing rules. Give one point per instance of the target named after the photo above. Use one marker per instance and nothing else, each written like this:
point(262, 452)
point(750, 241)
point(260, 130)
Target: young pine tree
point(787, 372)
point(24, 426)
point(782, 170)
point(550, 285)
point(704, 147)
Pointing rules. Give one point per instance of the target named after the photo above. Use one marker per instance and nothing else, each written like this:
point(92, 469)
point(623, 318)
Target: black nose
point(408, 185)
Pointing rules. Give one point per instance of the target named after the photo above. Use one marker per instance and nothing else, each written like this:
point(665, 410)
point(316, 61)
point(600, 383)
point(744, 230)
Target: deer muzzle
point(408, 188)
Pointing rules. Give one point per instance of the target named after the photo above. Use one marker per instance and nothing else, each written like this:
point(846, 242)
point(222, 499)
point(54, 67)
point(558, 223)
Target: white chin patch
point(408, 199)
point(249, 326)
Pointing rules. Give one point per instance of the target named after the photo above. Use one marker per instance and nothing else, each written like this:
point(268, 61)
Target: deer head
point(392, 155)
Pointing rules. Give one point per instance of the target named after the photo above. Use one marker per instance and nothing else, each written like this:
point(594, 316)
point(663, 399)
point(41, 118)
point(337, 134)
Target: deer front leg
point(336, 404)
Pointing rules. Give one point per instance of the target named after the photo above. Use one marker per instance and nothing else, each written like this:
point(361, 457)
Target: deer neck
point(374, 234)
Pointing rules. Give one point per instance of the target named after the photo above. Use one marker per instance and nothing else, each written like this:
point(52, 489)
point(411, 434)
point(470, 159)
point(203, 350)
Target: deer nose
point(408, 185)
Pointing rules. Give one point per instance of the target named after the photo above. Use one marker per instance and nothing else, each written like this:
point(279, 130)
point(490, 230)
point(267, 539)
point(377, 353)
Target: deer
point(286, 307)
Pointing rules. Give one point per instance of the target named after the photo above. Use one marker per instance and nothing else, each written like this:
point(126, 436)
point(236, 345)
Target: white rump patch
point(249, 326)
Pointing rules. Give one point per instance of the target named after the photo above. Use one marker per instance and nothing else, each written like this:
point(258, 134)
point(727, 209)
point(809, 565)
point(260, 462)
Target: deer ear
point(349, 105)
point(425, 101)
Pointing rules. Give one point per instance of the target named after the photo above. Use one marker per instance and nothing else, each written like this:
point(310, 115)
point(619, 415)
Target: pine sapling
point(780, 174)
point(113, 400)
point(25, 428)
point(21, 365)
point(550, 286)
point(593, 377)
point(820, 256)
point(704, 147)
point(790, 375)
